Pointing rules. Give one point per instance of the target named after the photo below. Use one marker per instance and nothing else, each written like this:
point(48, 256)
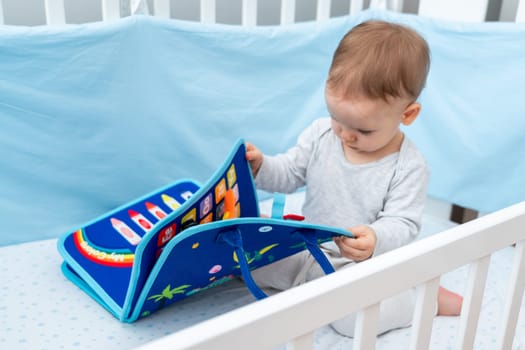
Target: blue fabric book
point(183, 239)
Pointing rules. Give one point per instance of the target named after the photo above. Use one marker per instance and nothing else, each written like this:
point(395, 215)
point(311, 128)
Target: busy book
point(183, 239)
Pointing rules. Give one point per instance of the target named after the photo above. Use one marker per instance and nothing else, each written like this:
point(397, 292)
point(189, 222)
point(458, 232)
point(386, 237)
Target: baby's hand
point(359, 248)
point(254, 157)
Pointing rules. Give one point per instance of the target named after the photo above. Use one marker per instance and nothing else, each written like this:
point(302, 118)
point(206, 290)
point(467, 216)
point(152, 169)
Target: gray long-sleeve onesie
point(388, 194)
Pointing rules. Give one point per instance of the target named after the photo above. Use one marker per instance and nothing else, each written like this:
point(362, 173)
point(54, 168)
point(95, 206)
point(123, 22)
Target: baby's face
point(365, 125)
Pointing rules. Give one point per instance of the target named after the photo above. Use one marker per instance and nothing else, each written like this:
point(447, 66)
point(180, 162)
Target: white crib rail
point(424, 314)
point(295, 314)
point(465, 10)
point(520, 12)
point(514, 298)
point(110, 10)
point(366, 324)
point(249, 12)
point(287, 11)
point(208, 11)
point(472, 302)
point(55, 12)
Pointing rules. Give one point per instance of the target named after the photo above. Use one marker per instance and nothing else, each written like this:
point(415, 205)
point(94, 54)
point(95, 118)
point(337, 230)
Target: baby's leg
point(395, 312)
point(295, 270)
point(285, 273)
point(449, 303)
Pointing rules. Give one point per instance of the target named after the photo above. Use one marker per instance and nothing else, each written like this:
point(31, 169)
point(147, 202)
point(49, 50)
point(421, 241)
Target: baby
point(360, 171)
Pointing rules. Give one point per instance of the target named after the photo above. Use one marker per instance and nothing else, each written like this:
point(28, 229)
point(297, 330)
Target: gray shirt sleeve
point(286, 172)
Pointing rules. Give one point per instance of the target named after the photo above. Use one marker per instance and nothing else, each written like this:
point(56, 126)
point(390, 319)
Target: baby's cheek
point(335, 125)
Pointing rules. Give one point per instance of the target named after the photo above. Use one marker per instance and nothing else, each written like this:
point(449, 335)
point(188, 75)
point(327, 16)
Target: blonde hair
point(377, 59)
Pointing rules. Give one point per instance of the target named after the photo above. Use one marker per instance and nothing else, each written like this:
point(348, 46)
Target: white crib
point(293, 316)
point(297, 313)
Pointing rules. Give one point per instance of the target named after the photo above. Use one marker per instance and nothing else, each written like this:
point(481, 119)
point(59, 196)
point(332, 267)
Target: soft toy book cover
point(182, 239)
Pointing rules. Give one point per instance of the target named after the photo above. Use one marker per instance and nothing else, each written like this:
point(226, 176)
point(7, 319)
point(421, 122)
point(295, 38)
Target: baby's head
point(379, 60)
point(377, 73)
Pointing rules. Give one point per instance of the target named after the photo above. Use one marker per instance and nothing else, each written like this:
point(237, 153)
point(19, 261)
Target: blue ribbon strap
point(278, 205)
point(311, 243)
point(234, 240)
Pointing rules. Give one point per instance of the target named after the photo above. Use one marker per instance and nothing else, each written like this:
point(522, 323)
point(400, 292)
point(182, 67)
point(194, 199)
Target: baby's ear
point(410, 114)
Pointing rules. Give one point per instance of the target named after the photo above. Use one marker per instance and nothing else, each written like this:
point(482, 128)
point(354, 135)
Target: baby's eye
point(365, 132)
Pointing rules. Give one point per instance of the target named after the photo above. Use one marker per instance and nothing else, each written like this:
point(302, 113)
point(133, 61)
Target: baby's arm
point(399, 221)
point(286, 172)
point(359, 248)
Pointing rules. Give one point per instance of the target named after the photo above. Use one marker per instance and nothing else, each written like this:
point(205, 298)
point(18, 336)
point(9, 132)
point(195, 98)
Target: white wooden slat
point(378, 4)
point(513, 298)
point(520, 11)
point(287, 11)
point(424, 314)
point(304, 342)
point(472, 302)
point(1, 12)
point(365, 333)
point(110, 10)
point(139, 7)
point(393, 5)
point(161, 8)
point(208, 11)
point(464, 10)
point(249, 13)
point(356, 6)
point(55, 13)
point(323, 9)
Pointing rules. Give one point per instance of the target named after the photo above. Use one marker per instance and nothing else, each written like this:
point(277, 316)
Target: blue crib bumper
point(95, 115)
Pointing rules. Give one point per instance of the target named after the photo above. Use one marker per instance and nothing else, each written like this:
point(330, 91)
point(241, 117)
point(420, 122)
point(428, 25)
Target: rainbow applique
point(106, 257)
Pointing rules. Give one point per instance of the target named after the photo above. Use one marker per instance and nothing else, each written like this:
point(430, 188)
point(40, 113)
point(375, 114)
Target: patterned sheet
point(40, 309)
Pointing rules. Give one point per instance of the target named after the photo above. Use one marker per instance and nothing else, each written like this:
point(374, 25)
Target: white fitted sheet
point(41, 309)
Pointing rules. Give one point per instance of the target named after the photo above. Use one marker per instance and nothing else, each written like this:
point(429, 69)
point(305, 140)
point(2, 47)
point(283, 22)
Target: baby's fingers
point(353, 249)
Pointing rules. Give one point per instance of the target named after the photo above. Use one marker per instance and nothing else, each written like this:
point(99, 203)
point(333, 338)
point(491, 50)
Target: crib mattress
point(41, 309)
